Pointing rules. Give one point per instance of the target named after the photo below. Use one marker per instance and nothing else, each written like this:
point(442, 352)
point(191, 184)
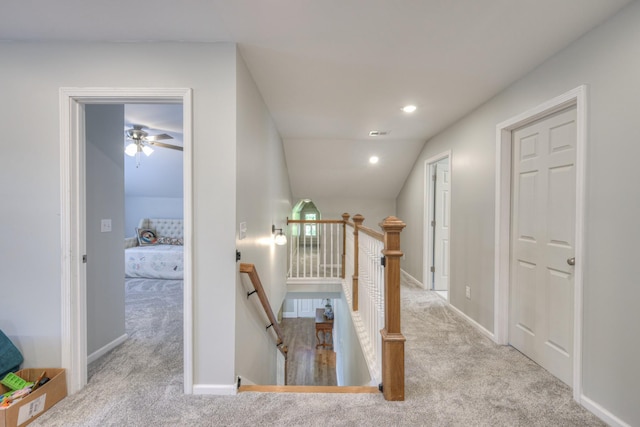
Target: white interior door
point(542, 242)
point(307, 307)
point(441, 227)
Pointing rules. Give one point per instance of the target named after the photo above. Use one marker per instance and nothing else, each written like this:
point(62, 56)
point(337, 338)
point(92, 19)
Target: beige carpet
point(454, 377)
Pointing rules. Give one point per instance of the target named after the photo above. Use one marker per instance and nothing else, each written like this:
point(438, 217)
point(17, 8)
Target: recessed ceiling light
point(378, 132)
point(409, 108)
point(373, 160)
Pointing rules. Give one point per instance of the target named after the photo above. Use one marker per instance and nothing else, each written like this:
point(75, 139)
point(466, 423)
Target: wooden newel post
point(392, 338)
point(345, 218)
point(357, 220)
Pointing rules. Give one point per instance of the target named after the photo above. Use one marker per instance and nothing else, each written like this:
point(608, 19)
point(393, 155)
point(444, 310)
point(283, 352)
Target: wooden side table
point(324, 326)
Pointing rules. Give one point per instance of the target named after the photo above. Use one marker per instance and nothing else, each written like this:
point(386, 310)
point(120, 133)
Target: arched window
point(305, 209)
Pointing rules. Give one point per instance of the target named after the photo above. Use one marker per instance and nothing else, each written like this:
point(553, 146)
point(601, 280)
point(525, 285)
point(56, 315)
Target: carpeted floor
point(454, 377)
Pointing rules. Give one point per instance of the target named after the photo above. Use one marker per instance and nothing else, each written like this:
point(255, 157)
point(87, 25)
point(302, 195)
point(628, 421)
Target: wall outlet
point(105, 226)
point(468, 291)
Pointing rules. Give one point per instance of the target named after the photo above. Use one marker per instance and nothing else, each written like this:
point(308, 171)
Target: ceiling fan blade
point(157, 137)
point(162, 144)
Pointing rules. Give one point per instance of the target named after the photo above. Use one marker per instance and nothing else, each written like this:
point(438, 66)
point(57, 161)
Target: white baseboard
point(478, 326)
point(106, 349)
point(215, 389)
point(413, 281)
point(406, 277)
point(602, 413)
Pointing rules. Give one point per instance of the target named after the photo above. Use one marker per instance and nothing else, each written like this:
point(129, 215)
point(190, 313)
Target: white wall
point(137, 207)
point(104, 200)
point(608, 60)
point(30, 79)
point(263, 199)
point(351, 366)
point(373, 210)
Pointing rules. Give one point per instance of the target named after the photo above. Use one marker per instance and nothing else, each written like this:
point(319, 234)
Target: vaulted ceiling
point(331, 71)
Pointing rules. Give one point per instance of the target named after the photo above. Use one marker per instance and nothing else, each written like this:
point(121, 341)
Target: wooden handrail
point(373, 233)
point(314, 221)
point(250, 270)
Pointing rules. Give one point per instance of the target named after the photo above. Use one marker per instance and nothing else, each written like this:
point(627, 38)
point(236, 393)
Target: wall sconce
point(280, 239)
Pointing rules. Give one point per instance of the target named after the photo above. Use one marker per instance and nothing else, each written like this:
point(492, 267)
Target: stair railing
point(371, 272)
point(316, 249)
point(258, 289)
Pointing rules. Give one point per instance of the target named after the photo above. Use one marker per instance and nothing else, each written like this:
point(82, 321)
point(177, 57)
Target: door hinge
point(84, 259)
point(432, 269)
point(434, 178)
point(383, 261)
point(433, 223)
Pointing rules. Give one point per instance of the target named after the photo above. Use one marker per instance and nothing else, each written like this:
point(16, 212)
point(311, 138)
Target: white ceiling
point(332, 70)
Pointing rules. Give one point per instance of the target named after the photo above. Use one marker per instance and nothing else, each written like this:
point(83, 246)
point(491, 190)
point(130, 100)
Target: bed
point(156, 252)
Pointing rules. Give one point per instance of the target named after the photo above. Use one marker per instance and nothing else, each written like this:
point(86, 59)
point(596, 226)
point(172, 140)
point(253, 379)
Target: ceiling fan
point(141, 142)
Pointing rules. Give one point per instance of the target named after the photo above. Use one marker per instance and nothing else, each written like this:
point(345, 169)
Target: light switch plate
point(105, 226)
point(243, 231)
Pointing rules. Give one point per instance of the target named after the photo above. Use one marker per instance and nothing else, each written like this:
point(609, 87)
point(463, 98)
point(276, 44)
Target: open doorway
point(437, 223)
point(134, 287)
point(74, 227)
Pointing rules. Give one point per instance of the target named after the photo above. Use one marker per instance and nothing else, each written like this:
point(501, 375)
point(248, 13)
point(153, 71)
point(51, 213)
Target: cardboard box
point(35, 404)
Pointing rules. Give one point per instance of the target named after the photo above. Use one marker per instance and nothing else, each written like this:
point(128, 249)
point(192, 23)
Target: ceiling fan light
point(131, 149)
point(147, 150)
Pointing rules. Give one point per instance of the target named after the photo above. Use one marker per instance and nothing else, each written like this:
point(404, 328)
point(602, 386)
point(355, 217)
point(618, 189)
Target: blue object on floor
point(10, 356)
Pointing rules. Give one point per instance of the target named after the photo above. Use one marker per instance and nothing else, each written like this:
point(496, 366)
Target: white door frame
point(577, 97)
point(429, 166)
point(73, 220)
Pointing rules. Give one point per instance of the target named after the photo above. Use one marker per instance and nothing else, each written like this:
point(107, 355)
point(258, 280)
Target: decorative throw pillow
point(147, 237)
point(165, 240)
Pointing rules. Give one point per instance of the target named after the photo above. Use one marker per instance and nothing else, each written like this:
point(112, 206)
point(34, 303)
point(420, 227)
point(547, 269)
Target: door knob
point(571, 261)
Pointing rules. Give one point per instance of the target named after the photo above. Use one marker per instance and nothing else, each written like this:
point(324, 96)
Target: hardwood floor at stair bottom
point(307, 366)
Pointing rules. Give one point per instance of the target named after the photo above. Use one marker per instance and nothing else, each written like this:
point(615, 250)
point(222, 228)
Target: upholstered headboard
point(164, 227)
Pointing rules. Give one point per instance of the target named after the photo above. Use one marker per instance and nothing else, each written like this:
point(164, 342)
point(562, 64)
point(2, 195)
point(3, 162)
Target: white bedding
point(154, 262)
